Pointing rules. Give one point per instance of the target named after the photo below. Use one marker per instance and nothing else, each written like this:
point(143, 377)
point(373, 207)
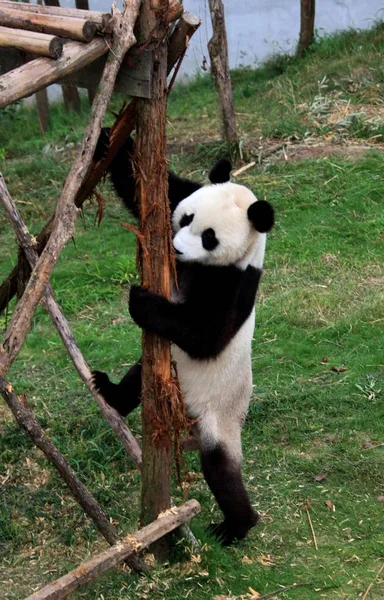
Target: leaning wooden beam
point(112, 557)
point(66, 212)
point(68, 27)
point(101, 20)
point(28, 244)
point(27, 421)
point(39, 73)
point(122, 128)
point(30, 41)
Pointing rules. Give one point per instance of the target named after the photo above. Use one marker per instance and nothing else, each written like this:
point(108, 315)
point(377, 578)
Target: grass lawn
point(313, 439)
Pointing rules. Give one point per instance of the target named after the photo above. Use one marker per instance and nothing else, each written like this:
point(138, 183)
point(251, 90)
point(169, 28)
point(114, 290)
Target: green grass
point(317, 407)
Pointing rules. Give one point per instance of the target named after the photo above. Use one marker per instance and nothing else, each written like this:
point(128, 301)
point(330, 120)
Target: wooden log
point(218, 53)
point(103, 21)
point(42, 105)
point(40, 73)
point(66, 211)
point(150, 167)
point(112, 557)
point(68, 27)
point(71, 98)
point(307, 26)
point(178, 42)
point(122, 128)
point(175, 10)
point(119, 426)
point(27, 421)
point(37, 43)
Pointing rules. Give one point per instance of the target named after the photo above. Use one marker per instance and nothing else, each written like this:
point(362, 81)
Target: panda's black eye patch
point(186, 220)
point(209, 239)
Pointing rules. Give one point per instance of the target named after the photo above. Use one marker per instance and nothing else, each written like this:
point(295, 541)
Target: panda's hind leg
point(124, 396)
point(222, 472)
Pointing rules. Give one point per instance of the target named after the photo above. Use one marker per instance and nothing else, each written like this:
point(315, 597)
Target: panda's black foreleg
point(124, 396)
point(223, 475)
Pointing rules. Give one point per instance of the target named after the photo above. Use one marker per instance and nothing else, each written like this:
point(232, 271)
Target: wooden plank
point(68, 27)
point(115, 555)
point(38, 43)
point(134, 78)
point(40, 73)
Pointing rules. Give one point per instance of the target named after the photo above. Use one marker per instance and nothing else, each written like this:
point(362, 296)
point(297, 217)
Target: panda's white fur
point(219, 239)
point(210, 386)
point(240, 244)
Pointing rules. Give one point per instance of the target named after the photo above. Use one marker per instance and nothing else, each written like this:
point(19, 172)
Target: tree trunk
point(218, 52)
point(307, 25)
point(151, 176)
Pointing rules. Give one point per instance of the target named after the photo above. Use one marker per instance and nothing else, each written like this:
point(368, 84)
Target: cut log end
point(89, 31)
point(55, 48)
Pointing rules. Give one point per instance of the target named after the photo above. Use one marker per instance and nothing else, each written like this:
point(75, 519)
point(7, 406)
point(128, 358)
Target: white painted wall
point(258, 28)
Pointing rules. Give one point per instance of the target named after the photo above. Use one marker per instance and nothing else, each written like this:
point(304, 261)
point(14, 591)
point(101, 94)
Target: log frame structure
point(40, 254)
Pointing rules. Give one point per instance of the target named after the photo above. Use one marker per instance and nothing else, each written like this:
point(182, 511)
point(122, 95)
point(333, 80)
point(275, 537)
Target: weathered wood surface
point(66, 211)
point(68, 27)
point(40, 73)
point(101, 20)
point(42, 106)
point(134, 77)
point(29, 244)
point(39, 43)
point(218, 53)
point(122, 128)
point(112, 557)
point(150, 167)
point(179, 40)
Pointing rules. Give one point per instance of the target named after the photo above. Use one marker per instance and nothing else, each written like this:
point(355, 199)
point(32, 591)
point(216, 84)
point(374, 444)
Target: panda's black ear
point(262, 215)
point(220, 172)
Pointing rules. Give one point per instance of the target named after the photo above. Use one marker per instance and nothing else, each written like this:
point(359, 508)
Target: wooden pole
point(218, 52)
point(66, 211)
point(69, 27)
point(42, 105)
point(307, 25)
point(101, 20)
point(151, 178)
point(40, 73)
point(112, 557)
point(123, 127)
point(30, 41)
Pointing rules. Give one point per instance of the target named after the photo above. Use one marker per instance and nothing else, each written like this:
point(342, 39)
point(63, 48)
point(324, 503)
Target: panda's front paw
point(139, 304)
point(102, 384)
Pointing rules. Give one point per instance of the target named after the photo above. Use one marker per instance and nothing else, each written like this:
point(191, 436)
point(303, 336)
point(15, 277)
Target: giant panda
point(219, 240)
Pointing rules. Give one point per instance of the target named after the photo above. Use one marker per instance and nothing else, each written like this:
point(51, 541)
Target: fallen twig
point(373, 582)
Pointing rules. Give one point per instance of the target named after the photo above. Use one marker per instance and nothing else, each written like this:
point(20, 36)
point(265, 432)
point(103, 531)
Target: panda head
point(222, 225)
